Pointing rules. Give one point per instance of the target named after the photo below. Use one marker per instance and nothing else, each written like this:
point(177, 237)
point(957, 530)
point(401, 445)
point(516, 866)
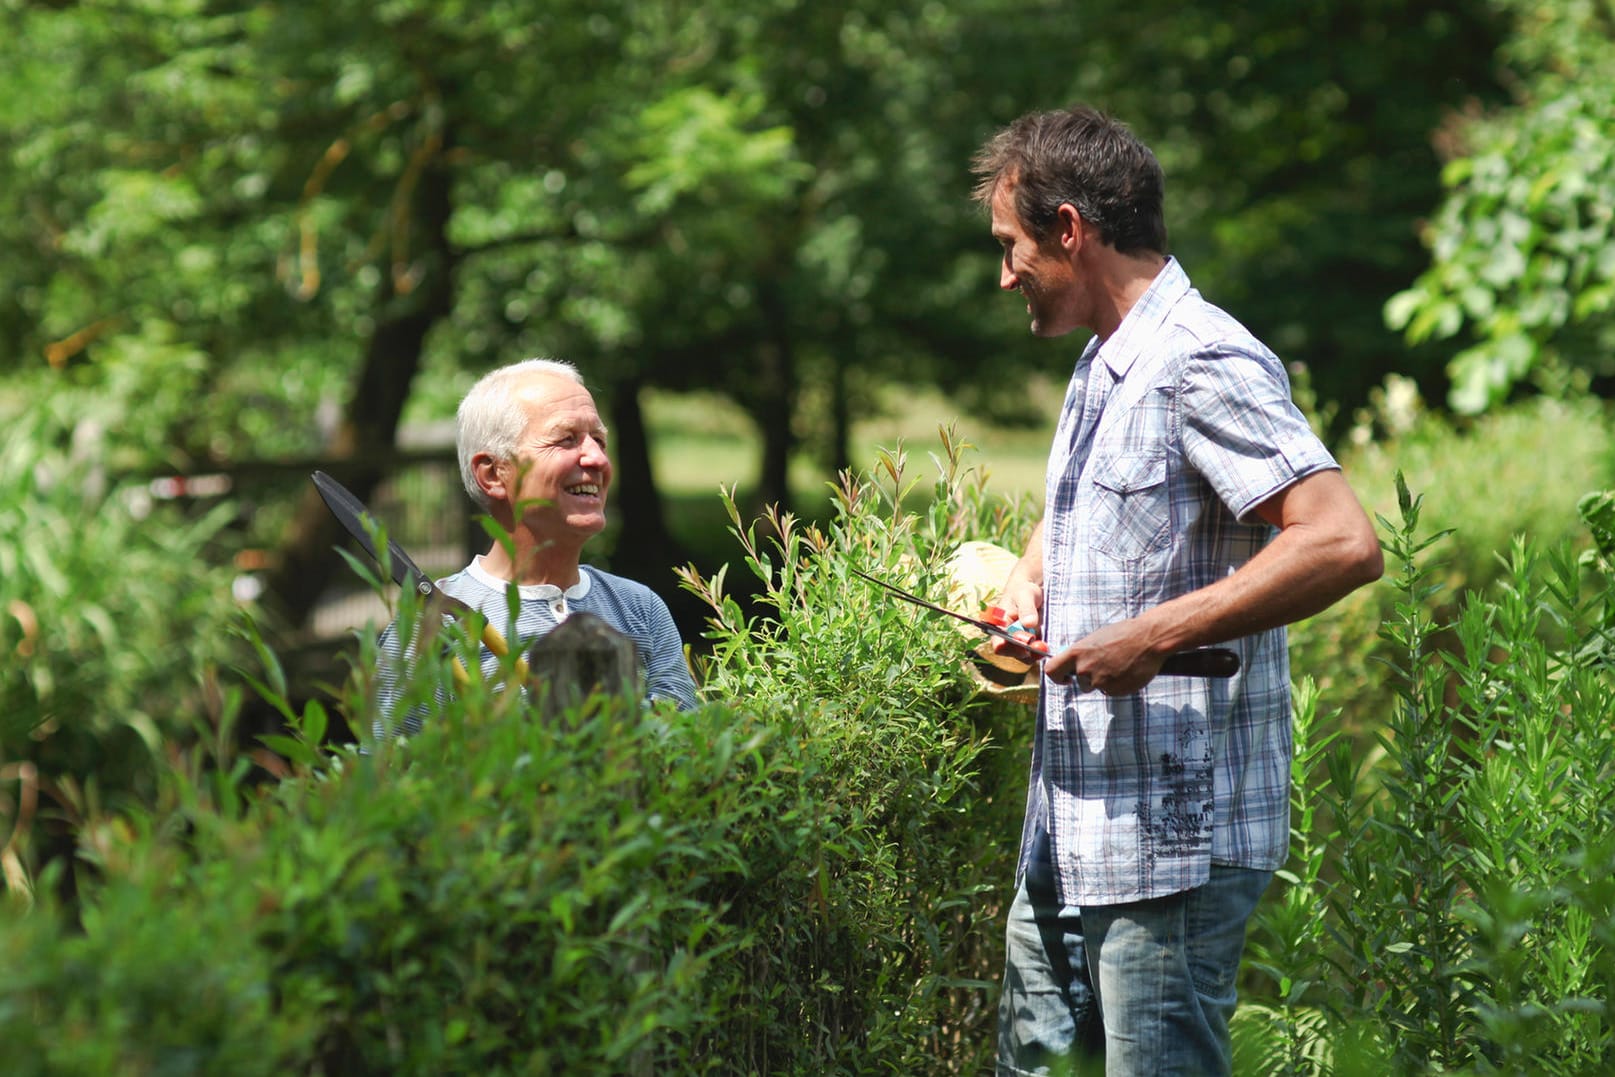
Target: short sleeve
point(1241, 430)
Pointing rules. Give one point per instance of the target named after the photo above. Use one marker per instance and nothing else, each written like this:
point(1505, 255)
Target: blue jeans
point(1143, 989)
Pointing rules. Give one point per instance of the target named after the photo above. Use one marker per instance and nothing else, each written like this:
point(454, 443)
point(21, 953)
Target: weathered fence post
point(581, 657)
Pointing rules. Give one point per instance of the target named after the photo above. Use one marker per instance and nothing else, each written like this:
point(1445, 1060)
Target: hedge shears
point(352, 515)
point(1200, 662)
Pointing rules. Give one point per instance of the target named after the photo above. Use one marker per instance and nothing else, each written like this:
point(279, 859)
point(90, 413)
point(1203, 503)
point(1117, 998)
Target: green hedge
point(810, 877)
point(662, 890)
point(803, 880)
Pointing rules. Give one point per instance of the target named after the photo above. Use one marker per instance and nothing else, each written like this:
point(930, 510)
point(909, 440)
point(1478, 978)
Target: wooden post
point(582, 656)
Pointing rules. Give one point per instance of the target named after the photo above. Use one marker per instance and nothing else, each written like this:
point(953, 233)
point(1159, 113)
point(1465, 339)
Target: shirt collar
point(547, 591)
point(1123, 348)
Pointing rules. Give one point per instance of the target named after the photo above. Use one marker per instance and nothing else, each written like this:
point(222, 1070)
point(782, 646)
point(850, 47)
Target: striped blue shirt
point(1173, 431)
point(626, 605)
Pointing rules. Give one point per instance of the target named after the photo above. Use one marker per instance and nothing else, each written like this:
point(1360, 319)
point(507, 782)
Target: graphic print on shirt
point(1180, 821)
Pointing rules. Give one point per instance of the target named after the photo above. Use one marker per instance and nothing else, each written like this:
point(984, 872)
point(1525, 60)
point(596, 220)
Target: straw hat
point(976, 572)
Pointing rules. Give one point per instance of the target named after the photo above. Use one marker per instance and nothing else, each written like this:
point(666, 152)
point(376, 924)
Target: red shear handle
point(1016, 632)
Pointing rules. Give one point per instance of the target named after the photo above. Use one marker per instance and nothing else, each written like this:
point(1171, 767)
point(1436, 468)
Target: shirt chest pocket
point(1130, 513)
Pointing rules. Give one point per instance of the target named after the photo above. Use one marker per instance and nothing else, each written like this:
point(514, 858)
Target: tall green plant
point(1283, 1029)
point(113, 613)
point(905, 939)
point(1518, 470)
point(1538, 813)
point(1403, 876)
point(1461, 871)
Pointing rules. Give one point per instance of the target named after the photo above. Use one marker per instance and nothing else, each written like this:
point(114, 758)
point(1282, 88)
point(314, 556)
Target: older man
point(532, 452)
point(1188, 503)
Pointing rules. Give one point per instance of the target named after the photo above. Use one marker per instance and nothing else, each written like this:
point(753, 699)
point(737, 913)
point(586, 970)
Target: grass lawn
point(702, 441)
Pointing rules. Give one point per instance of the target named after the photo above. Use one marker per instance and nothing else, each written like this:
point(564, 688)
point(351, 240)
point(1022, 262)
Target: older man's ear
point(490, 476)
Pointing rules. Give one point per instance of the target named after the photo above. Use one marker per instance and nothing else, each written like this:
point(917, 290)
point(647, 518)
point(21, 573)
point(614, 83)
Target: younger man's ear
point(1070, 231)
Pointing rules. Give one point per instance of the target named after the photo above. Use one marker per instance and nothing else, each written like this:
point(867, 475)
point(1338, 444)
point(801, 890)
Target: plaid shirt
point(1173, 431)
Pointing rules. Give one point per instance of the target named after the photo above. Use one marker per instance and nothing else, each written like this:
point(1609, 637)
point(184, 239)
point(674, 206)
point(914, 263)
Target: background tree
point(234, 219)
point(1522, 250)
point(811, 231)
point(234, 213)
point(1299, 159)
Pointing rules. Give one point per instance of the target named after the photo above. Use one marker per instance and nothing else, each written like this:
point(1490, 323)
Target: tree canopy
point(253, 230)
point(1523, 245)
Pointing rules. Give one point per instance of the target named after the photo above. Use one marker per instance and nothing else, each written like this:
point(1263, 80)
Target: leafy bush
point(1451, 907)
point(931, 817)
point(499, 896)
point(157, 982)
point(792, 881)
point(110, 618)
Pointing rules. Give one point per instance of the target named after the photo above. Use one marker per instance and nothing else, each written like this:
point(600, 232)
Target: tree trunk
point(645, 548)
point(840, 419)
point(774, 403)
point(305, 563)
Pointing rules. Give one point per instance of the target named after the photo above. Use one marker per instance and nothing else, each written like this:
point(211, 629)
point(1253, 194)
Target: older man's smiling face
point(561, 472)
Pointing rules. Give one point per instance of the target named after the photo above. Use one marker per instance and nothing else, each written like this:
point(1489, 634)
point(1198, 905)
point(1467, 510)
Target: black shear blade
point(1199, 662)
point(985, 626)
point(356, 519)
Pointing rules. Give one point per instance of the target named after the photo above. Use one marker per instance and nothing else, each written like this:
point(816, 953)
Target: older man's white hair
point(490, 420)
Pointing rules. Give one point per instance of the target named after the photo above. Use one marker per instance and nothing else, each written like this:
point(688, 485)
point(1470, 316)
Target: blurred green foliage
point(1523, 244)
point(1299, 150)
point(285, 231)
point(809, 876)
point(285, 208)
point(114, 617)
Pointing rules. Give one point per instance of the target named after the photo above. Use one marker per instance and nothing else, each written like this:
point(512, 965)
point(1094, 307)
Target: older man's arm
point(667, 674)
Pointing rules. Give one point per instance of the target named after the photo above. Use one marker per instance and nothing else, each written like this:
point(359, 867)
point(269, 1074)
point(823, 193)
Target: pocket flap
point(1131, 472)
